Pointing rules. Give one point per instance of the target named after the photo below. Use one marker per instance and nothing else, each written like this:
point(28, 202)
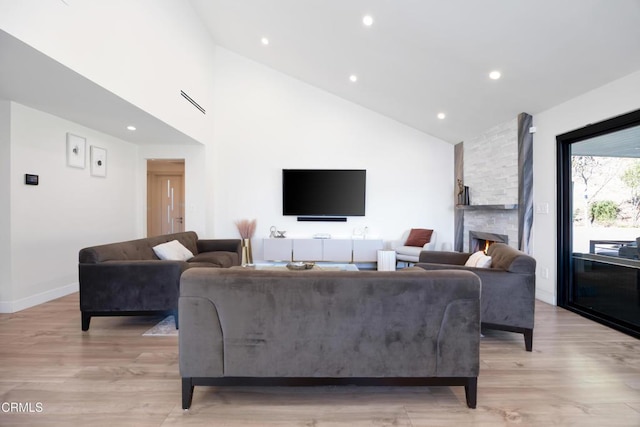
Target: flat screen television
point(324, 192)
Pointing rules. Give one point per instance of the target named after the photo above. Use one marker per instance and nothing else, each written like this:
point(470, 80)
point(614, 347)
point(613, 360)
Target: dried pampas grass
point(246, 228)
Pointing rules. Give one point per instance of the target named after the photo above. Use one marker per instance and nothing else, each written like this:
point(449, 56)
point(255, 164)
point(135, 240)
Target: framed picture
point(76, 151)
point(98, 161)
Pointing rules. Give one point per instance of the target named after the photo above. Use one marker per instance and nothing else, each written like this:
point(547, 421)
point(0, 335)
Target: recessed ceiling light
point(367, 20)
point(495, 75)
point(441, 116)
point(264, 41)
point(131, 127)
point(353, 78)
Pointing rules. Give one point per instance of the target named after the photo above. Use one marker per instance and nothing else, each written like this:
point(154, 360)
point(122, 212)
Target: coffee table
point(316, 267)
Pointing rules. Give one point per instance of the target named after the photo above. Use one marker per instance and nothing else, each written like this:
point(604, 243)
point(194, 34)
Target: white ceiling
point(419, 58)
point(422, 57)
point(31, 78)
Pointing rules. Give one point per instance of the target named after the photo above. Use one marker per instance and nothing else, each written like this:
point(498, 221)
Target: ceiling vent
point(195, 104)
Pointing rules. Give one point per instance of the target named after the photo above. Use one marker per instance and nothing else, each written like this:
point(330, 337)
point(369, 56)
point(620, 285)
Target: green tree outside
point(604, 211)
point(631, 178)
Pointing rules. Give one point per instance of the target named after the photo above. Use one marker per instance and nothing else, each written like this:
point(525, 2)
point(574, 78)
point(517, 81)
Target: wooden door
point(171, 206)
point(165, 208)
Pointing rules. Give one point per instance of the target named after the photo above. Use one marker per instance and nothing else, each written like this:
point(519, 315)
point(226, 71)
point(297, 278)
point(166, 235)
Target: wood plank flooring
point(580, 373)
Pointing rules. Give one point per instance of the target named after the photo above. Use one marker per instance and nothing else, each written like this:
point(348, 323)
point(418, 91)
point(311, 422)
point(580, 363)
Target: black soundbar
point(323, 218)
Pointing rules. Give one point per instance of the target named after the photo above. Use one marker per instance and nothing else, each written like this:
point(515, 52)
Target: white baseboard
point(37, 299)
point(545, 296)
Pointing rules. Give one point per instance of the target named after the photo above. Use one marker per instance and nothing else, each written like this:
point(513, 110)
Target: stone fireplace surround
point(499, 173)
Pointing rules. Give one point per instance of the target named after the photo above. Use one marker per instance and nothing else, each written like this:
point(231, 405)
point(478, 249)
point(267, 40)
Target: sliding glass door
point(599, 222)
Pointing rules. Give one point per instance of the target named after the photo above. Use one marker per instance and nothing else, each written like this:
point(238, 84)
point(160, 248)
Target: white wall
point(68, 210)
point(613, 99)
point(145, 51)
point(265, 121)
point(5, 193)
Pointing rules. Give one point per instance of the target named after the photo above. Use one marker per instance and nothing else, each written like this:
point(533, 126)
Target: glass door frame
point(565, 280)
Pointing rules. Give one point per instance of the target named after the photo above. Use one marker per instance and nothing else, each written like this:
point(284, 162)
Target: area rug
point(166, 328)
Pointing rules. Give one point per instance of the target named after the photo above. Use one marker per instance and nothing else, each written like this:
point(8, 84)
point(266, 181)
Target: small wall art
point(98, 161)
point(75, 151)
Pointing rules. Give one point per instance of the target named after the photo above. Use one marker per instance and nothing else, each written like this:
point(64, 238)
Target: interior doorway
point(165, 196)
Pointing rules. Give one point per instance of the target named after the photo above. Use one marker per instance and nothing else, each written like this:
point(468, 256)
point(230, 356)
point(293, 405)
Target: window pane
point(605, 175)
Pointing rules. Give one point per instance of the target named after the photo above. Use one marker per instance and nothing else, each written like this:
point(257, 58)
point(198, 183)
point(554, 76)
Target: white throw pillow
point(173, 251)
point(484, 262)
point(473, 259)
point(478, 259)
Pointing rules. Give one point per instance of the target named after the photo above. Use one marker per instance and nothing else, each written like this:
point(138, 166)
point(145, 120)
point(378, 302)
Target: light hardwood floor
point(579, 374)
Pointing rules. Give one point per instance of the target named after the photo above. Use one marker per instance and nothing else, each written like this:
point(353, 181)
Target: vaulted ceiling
point(31, 78)
point(420, 58)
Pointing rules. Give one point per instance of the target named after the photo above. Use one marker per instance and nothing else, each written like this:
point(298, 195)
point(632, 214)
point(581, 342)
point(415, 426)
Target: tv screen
point(323, 192)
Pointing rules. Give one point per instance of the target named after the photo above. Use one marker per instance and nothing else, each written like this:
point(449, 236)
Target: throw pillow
point(173, 251)
point(484, 262)
point(478, 259)
point(419, 237)
point(473, 259)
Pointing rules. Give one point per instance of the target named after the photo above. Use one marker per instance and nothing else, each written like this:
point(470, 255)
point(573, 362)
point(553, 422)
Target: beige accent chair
point(411, 254)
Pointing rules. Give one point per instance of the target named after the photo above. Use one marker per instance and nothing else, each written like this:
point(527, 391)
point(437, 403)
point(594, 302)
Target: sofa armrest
point(130, 285)
point(443, 257)
point(393, 244)
point(201, 346)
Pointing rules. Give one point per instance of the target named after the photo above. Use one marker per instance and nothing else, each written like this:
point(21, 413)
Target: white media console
point(332, 250)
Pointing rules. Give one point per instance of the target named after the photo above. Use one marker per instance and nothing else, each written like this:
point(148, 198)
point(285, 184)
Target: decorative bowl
point(300, 265)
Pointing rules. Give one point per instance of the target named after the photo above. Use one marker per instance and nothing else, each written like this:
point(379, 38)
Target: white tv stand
point(333, 250)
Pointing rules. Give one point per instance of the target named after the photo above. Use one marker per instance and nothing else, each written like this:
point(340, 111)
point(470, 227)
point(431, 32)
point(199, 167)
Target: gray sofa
point(243, 326)
point(127, 278)
point(508, 287)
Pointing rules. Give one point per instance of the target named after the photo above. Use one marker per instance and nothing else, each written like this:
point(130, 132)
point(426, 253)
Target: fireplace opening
point(480, 240)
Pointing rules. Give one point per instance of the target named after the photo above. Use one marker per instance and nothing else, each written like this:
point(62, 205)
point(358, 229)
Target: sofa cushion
point(419, 237)
point(172, 251)
point(219, 258)
point(412, 251)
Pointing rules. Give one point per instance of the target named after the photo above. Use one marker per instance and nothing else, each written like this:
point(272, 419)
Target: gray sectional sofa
point(508, 287)
point(127, 278)
point(243, 326)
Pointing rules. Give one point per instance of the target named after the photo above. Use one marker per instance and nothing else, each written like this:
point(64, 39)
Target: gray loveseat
point(127, 278)
point(508, 287)
point(243, 326)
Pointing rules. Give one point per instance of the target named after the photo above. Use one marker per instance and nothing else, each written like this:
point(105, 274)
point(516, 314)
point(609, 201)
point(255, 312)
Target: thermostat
point(30, 179)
